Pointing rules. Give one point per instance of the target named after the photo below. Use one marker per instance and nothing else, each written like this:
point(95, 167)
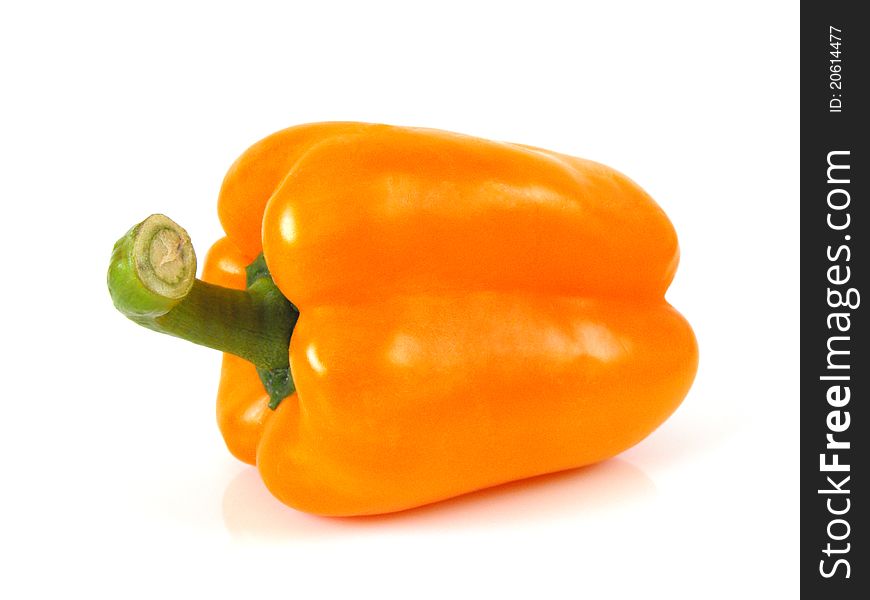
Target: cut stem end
point(164, 258)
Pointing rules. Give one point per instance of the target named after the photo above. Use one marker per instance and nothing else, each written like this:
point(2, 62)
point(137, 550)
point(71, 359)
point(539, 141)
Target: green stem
point(152, 280)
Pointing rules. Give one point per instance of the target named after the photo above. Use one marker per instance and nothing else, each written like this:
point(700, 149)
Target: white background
point(117, 484)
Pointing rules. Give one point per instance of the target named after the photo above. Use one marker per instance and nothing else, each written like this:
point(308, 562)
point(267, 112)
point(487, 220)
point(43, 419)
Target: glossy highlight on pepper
point(460, 313)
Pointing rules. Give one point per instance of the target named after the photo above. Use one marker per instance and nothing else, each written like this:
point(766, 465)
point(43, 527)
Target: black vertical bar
point(834, 370)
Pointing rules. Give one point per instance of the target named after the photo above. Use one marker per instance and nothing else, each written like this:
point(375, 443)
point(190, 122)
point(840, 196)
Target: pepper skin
point(470, 313)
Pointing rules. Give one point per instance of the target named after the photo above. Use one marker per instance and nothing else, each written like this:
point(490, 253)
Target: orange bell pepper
point(469, 313)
